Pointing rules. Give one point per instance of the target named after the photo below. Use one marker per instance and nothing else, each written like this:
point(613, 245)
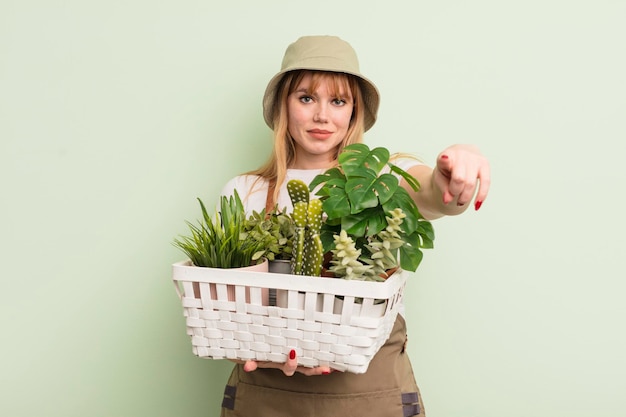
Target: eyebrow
point(306, 91)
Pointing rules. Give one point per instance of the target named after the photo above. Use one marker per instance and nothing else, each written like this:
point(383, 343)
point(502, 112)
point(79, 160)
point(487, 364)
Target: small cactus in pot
point(307, 216)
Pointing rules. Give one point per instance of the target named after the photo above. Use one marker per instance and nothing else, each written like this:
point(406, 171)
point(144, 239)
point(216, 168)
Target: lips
point(319, 133)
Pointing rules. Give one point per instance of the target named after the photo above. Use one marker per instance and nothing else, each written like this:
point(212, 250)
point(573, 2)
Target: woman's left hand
point(460, 171)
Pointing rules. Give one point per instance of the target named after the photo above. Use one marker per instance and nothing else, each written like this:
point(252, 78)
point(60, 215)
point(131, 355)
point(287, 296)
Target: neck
point(319, 162)
point(324, 165)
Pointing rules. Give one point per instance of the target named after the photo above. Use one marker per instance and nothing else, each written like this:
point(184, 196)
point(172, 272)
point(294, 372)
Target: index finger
point(484, 177)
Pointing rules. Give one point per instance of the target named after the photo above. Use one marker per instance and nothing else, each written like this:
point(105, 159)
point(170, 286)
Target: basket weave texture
point(329, 322)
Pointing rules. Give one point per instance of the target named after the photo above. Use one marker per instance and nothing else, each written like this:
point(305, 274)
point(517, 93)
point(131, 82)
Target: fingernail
point(325, 372)
point(444, 156)
point(292, 354)
point(477, 205)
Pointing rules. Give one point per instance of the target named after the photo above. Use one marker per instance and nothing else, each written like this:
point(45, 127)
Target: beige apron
point(387, 389)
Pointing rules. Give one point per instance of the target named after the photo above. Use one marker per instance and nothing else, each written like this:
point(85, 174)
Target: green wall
point(115, 116)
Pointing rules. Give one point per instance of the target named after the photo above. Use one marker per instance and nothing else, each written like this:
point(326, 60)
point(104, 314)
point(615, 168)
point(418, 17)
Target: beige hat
point(322, 53)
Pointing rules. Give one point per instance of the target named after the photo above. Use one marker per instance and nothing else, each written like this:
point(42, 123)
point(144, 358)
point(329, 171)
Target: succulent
point(275, 229)
point(345, 262)
point(383, 246)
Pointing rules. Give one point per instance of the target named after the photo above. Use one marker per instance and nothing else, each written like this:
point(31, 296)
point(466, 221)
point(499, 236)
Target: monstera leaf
point(358, 198)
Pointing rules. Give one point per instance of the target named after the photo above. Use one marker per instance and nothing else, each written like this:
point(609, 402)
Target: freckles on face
point(319, 117)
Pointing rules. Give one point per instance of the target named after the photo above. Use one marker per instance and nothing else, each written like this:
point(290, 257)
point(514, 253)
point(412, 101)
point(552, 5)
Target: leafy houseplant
point(274, 230)
point(220, 242)
point(371, 223)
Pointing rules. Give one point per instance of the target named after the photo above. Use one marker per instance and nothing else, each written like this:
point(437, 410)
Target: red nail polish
point(325, 372)
point(477, 205)
point(292, 354)
point(444, 156)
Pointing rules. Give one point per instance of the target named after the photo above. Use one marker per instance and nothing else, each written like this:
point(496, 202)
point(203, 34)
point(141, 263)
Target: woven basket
point(329, 322)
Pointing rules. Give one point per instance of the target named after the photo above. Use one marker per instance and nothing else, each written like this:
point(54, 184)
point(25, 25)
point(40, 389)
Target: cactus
point(299, 218)
point(313, 248)
point(307, 216)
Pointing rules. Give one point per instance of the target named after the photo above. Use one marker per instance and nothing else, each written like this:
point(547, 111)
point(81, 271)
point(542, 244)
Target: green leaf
point(327, 236)
point(334, 174)
point(361, 194)
point(413, 239)
point(403, 200)
point(410, 257)
point(358, 156)
point(410, 179)
point(337, 204)
point(366, 223)
point(369, 192)
point(426, 231)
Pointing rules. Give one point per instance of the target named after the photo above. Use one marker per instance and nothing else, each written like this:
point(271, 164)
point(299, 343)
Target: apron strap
point(229, 397)
point(410, 404)
point(269, 199)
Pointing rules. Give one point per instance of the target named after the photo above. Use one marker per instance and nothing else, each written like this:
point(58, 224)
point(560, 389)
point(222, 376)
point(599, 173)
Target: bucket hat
point(322, 53)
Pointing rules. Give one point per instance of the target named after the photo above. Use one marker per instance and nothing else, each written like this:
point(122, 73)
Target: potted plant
point(221, 241)
point(364, 222)
point(275, 231)
point(217, 242)
point(361, 224)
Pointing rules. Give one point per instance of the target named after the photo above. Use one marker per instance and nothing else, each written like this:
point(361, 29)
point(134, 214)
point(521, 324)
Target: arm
point(461, 172)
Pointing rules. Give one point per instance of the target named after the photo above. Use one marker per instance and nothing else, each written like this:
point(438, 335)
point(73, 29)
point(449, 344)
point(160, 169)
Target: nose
point(320, 113)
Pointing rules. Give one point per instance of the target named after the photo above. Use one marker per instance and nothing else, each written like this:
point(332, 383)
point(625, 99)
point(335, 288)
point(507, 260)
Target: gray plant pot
point(278, 266)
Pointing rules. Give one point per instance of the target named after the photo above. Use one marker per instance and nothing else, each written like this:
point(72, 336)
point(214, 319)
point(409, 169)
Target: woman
point(316, 105)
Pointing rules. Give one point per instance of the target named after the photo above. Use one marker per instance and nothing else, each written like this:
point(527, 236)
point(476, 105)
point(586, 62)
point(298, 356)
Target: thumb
point(289, 368)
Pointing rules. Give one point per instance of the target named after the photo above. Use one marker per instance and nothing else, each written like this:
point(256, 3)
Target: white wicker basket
point(323, 319)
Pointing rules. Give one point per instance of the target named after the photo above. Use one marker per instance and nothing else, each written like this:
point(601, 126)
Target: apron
point(387, 389)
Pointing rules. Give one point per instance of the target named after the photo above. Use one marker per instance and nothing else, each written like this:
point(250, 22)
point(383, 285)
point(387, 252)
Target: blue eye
point(306, 99)
point(339, 102)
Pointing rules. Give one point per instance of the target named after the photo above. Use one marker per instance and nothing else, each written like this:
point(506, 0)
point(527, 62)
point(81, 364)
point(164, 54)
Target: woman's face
point(318, 121)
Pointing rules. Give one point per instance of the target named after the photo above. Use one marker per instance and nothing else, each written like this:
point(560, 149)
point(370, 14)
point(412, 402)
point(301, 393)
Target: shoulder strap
point(269, 200)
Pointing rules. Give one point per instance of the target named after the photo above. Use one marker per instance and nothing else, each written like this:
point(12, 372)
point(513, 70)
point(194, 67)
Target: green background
point(115, 116)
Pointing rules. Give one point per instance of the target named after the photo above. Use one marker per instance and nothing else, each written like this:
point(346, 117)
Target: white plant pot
point(230, 289)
